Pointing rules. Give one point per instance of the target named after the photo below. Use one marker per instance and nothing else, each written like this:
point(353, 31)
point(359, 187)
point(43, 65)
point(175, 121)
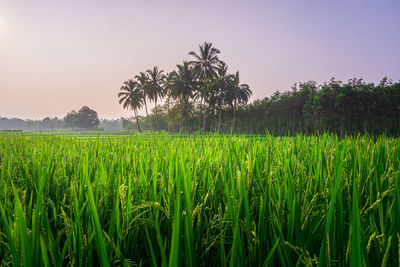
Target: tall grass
point(201, 201)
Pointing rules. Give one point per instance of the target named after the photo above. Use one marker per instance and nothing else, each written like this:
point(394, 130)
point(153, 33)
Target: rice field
point(199, 201)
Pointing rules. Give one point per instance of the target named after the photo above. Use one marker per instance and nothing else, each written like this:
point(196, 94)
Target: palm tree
point(206, 64)
point(143, 85)
point(240, 94)
point(181, 85)
point(131, 97)
point(223, 88)
point(155, 89)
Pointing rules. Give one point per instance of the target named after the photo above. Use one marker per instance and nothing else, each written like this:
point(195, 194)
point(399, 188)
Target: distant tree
point(335, 107)
point(221, 88)
point(112, 124)
point(143, 84)
point(57, 123)
point(131, 97)
point(239, 94)
point(47, 123)
point(87, 118)
point(206, 64)
point(71, 119)
point(128, 124)
point(155, 88)
point(181, 84)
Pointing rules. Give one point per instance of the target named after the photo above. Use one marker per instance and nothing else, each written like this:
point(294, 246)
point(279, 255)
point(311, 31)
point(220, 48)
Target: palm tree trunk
point(234, 117)
point(219, 117)
point(147, 114)
point(155, 106)
point(204, 109)
point(181, 121)
point(181, 118)
point(137, 121)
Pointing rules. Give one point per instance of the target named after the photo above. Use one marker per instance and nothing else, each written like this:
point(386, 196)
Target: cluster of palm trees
point(204, 79)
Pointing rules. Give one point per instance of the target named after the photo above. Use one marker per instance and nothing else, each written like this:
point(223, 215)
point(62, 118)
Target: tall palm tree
point(223, 88)
point(143, 85)
point(240, 94)
point(181, 85)
point(131, 97)
point(206, 64)
point(155, 88)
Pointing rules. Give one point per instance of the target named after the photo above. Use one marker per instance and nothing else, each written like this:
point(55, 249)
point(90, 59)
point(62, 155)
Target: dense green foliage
point(201, 95)
point(85, 118)
point(203, 200)
point(205, 78)
point(333, 107)
point(51, 124)
point(336, 107)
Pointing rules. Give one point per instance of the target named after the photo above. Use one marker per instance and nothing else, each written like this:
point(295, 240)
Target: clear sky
point(56, 56)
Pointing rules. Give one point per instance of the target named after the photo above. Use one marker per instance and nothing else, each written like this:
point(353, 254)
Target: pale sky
point(56, 56)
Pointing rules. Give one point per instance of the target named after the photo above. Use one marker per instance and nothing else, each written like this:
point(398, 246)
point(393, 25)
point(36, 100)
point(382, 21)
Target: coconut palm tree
point(222, 87)
point(155, 88)
point(181, 85)
point(240, 94)
point(143, 84)
point(131, 97)
point(206, 64)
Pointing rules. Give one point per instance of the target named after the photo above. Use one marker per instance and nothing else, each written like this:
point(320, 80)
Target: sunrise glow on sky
point(56, 56)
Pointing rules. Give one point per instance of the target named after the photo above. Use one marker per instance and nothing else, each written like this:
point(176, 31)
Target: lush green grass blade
point(270, 254)
point(355, 229)
point(175, 250)
point(45, 256)
point(102, 253)
point(7, 231)
point(213, 200)
point(22, 230)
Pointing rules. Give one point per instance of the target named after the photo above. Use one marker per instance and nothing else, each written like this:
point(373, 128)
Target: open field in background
point(110, 134)
point(201, 201)
point(66, 132)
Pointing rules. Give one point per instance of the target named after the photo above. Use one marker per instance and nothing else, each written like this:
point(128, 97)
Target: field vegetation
point(202, 95)
point(208, 200)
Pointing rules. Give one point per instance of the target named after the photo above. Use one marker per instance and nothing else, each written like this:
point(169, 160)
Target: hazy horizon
point(56, 57)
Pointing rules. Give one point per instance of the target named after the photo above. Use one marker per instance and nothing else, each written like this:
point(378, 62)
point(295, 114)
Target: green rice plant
point(202, 200)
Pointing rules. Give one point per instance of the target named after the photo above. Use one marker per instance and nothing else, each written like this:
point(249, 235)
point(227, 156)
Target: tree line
point(84, 118)
point(350, 107)
point(202, 96)
point(201, 86)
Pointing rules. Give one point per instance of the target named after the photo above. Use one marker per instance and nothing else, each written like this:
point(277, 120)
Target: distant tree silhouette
point(221, 87)
point(154, 87)
point(85, 118)
point(342, 108)
point(88, 118)
point(71, 119)
point(239, 94)
point(205, 64)
point(181, 84)
point(131, 97)
point(142, 81)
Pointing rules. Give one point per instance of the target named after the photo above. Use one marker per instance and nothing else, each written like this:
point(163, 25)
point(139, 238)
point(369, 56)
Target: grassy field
point(199, 201)
point(67, 132)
